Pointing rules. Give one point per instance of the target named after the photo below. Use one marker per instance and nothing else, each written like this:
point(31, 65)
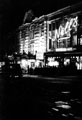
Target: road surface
point(33, 97)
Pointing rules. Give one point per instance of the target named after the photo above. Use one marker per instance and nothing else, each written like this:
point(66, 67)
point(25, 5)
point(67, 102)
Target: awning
point(62, 54)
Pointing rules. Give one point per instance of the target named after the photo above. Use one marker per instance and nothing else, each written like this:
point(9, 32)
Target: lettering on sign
point(65, 30)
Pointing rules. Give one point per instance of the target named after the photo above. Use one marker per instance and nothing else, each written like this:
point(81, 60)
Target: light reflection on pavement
point(41, 99)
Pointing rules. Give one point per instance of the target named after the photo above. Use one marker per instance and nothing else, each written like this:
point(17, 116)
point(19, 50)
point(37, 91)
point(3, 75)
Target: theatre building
point(32, 39)
point(55, 38)
point(64, 37)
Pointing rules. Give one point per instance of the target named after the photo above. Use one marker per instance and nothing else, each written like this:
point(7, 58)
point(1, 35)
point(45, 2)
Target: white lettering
point(72, 23)
point(75, 23)
point(67, 27)
point(56, 34)
point(61, 30)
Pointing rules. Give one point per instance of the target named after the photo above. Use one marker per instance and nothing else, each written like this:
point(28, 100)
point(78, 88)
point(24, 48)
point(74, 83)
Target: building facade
point(60, 31)
point(32, 37)
point(64, 41)
point(63, 30)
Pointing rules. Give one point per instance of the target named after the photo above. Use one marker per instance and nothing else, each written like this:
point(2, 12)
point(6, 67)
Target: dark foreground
point(33, 98)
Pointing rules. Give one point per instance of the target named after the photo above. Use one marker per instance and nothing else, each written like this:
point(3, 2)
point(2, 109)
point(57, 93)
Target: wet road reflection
point(28, 98)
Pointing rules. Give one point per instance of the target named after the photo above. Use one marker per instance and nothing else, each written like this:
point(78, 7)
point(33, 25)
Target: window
point(50, 43)
point(49, 27)
point(31, 31)
point(42, 29)
point(54, 44)
point(31, 34)
point(53, 26)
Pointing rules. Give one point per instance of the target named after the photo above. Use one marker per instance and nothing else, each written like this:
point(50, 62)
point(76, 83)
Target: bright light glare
point(62, 104)
point(67, 61)
point(54, 63)
point(23, 64)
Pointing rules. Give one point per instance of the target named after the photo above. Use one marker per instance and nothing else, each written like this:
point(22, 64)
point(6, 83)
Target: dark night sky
point(12, 12)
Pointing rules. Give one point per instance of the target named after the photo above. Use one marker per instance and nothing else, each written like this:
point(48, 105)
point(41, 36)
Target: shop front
point(64, 50)
point(65, 62)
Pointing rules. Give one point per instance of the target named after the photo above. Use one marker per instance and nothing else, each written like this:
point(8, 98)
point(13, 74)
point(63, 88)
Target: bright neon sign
point(65, 30)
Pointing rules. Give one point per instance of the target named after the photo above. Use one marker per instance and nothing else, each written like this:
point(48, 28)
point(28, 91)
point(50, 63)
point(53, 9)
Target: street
point(40, 60)
point(36, 98)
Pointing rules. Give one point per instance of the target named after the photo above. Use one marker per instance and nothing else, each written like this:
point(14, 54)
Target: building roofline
point(68, 8)
point(38, 18)
point(33, 21)
point(58, 11)
point(23, 25)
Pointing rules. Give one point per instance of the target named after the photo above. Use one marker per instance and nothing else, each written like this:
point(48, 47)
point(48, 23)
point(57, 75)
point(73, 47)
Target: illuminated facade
point(60, 34)
point(32, 37)
point(64, 38)
point(24, 38)
point(63, 30)
point(55, 32)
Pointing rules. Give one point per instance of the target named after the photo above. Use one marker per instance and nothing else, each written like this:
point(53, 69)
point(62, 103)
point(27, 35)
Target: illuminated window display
point(79, 62)
point(66, 61)
point(53, 62)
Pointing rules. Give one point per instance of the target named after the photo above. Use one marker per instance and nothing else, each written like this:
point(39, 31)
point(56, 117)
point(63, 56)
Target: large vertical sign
point(65, 28)
point(62, 33)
